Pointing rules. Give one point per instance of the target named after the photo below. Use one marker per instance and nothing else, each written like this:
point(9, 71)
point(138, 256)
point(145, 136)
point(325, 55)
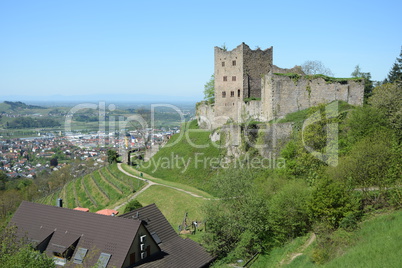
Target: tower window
point(238, 93)
point(223, 64)
point(231, 93)
point(225, 78)
point(234, 63)
point(223, 94)
point(233, 78)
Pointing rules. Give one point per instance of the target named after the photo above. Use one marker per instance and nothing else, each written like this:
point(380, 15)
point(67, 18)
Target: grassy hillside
point(187, 158)
point(174, 204)
point(182, 186)
point(377, 243)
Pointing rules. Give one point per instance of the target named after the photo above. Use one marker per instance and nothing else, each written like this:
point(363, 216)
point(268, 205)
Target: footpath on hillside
point(300, 251)
point(149, 183)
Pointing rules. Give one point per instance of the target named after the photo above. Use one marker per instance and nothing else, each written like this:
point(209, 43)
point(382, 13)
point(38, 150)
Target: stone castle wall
point(252, 110)
point(256, 63)
point(205, 114)
point(283, 94)
point(244, 73)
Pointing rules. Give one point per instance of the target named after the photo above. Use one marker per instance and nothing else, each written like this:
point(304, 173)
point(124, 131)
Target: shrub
point(132, 205)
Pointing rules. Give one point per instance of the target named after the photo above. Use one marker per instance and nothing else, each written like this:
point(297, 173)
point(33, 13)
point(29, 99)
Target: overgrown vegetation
point(296, 77)
point(246, 100)
point(16, 252)
point(261, 209)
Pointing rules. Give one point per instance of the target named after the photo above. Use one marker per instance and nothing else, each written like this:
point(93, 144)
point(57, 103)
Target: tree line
point(29, 122)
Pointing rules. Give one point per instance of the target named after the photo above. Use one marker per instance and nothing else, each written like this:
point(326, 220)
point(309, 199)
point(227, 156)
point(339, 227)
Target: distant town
point(27, 157)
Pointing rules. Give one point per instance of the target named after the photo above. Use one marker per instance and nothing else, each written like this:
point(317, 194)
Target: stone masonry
point(249, 87)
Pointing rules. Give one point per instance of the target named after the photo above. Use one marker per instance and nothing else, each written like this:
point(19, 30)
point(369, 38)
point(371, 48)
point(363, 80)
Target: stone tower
point(249, 87)
point(238, 76)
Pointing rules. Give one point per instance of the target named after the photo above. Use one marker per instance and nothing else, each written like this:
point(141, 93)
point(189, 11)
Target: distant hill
point(132, 98)
point(20, 105)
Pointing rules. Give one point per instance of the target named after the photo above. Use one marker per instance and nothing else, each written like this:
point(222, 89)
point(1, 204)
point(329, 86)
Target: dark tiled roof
point(154, 221)
point(175, 251)
point(112, 235)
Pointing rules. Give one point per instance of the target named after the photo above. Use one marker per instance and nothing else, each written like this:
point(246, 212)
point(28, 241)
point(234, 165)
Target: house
point(141, 238)
point(175, 251)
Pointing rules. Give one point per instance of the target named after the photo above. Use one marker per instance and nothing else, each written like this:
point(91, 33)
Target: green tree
point(387, 98)
point(395, 74)
point(209, 90)
point(368, 83)
point(3, 180)
point(16, 252)
point(288, 213)
point(132, 205)
point(54, 162)
point(368, 165)
point(236, 224)
point(330, 202)
point(362, 122)
point(112, 156)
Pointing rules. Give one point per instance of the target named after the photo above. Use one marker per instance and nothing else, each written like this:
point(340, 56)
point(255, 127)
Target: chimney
point(59, 202)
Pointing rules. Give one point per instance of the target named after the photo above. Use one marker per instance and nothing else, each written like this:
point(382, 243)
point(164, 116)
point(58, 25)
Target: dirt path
point(149, 184)
point(134, 195)
point(294, 255)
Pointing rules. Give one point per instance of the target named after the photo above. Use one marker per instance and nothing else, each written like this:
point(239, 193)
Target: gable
point(60, 231)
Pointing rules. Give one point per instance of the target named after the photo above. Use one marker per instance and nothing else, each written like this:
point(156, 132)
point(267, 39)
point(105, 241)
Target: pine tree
point(396, 72)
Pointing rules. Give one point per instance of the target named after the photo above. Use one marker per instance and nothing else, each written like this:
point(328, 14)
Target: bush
point(15, 252)
point(132, 205)
point(331, 201)
point(288, 214)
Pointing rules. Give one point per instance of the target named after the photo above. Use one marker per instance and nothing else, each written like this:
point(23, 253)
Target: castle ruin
point(249, 87)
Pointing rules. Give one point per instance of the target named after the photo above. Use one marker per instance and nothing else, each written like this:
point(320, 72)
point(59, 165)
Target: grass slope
point(185, 187)
point(187, 158)
point(378, 243)
point(174, 204)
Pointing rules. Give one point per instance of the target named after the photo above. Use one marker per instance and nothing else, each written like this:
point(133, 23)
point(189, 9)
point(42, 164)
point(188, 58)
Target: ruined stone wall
point(205, 114)
point(296, 70)
point(252, 110)
point(256, 63)
point(274, 138)
point(245, 73)
point(283, 94)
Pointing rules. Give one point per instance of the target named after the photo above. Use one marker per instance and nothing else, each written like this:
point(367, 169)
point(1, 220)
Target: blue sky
point(166, 47)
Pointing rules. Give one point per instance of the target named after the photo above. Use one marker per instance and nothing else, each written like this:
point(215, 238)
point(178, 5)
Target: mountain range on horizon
point(147, 98)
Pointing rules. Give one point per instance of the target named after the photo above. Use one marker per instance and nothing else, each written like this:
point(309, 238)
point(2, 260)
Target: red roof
point(82, 209)
point(107, 212)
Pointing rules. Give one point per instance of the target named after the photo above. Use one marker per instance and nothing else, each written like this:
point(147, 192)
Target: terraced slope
point(101, 189)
